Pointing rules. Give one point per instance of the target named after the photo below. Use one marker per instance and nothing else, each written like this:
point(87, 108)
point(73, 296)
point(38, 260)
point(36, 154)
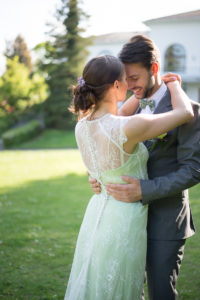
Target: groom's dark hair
point(140, 49)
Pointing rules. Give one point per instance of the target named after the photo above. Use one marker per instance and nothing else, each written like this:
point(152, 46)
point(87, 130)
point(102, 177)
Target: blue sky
point(28, 17)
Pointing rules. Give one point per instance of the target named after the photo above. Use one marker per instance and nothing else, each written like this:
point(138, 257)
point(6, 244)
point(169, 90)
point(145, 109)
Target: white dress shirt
point(157, 96)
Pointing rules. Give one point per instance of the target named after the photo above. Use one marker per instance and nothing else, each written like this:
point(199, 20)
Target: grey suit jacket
point(173, 167)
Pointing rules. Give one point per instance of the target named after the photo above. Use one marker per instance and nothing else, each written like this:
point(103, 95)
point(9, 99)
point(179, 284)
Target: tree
point(19, 91)
point(21, 95)
point(65, 55)
point(20, 49)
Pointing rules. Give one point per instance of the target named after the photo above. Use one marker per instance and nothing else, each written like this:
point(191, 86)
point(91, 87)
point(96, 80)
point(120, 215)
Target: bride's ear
point(116, 84)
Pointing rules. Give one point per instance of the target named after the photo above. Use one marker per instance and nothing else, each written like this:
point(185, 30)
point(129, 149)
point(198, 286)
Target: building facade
point(177, 37)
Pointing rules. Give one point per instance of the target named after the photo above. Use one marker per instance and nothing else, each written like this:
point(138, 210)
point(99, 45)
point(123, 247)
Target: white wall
point(193, 91)
point(187, 34)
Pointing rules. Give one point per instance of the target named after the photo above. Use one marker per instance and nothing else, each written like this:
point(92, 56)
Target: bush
point(21, 134)
point(6, 122)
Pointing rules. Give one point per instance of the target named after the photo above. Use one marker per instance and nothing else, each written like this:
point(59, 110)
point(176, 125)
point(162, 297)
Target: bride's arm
point(147, 126)
point(129, 107)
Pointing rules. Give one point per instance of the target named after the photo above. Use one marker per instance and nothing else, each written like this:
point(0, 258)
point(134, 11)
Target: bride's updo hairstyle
point(98, 76)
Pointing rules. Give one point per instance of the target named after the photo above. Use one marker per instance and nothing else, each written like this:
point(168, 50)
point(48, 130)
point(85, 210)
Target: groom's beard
point(147, 89)
point(150, 86)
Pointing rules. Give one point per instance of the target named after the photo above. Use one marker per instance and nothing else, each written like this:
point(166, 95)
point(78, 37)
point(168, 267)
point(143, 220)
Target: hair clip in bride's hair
point(81, 81)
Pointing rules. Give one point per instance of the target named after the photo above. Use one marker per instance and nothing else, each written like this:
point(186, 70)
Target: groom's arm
point(188, 174)
point(188, 156)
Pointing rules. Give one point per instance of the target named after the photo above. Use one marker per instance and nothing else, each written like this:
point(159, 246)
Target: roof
point(116, 37)
point(187, 16)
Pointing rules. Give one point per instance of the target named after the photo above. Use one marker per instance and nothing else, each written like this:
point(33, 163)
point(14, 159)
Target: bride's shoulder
point(114, 123)
point(121, 119)
point(79, 124)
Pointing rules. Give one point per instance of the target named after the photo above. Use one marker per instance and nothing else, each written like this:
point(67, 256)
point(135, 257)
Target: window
point(175, 58)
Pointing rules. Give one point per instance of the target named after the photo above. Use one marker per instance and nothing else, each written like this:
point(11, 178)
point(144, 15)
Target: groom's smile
point(140, 80)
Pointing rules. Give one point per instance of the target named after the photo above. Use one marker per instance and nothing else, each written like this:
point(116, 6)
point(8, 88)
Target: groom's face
point(140, 80)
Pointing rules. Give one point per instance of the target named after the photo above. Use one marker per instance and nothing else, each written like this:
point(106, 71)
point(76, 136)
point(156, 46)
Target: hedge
point(21, 134)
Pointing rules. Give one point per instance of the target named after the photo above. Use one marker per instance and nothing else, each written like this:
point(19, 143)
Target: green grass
point(189, 281)
point(43, 196)
point(50, 138)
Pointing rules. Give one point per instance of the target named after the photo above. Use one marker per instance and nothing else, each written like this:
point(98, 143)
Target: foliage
point(20, 49)
point(18, 90)
point(21, 134)
point(40, 216)
point(6, 120)
point(15, 85)
point(22, 92)
point(19, 93)
point(51, 139)
point(63, 61)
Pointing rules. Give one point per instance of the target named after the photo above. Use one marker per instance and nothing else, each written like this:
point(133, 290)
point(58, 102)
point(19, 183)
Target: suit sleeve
point(188, 157)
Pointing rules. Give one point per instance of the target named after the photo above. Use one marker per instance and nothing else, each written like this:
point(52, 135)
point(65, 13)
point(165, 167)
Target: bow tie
point(144, 102)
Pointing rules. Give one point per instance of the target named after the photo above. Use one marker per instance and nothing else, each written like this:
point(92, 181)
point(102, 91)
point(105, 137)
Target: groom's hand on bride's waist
point(130, 192)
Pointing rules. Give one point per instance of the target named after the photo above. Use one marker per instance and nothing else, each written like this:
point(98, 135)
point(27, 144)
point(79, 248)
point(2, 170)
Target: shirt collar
point(157, 96)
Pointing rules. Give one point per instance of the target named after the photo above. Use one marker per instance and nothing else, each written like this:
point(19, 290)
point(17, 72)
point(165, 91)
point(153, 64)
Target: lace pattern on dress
point(107, 138)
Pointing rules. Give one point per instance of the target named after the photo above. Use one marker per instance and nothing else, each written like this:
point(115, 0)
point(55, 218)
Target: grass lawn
point(43, 196)
point(50, 138)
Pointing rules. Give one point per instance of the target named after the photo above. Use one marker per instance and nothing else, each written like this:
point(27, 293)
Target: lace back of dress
point(101, 143)
point(92, 153)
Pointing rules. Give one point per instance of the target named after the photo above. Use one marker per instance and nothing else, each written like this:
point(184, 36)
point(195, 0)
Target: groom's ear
point(154, 68)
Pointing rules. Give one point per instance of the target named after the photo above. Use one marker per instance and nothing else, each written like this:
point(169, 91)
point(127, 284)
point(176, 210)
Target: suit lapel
point(165, 104)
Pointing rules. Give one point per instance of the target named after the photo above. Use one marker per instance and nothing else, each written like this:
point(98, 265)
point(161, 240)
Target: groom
point(173, 167)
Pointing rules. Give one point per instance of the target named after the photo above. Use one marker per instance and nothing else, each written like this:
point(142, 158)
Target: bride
point(110, 255)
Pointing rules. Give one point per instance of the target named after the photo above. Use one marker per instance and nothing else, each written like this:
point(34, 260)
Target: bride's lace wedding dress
point(110, 255)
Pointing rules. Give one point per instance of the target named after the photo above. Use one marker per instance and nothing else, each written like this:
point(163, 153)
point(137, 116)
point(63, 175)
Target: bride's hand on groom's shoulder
point(130, 192)
point(170, 77)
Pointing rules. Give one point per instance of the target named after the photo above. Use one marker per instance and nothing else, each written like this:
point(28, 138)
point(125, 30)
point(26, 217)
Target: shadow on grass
point(39, 226)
